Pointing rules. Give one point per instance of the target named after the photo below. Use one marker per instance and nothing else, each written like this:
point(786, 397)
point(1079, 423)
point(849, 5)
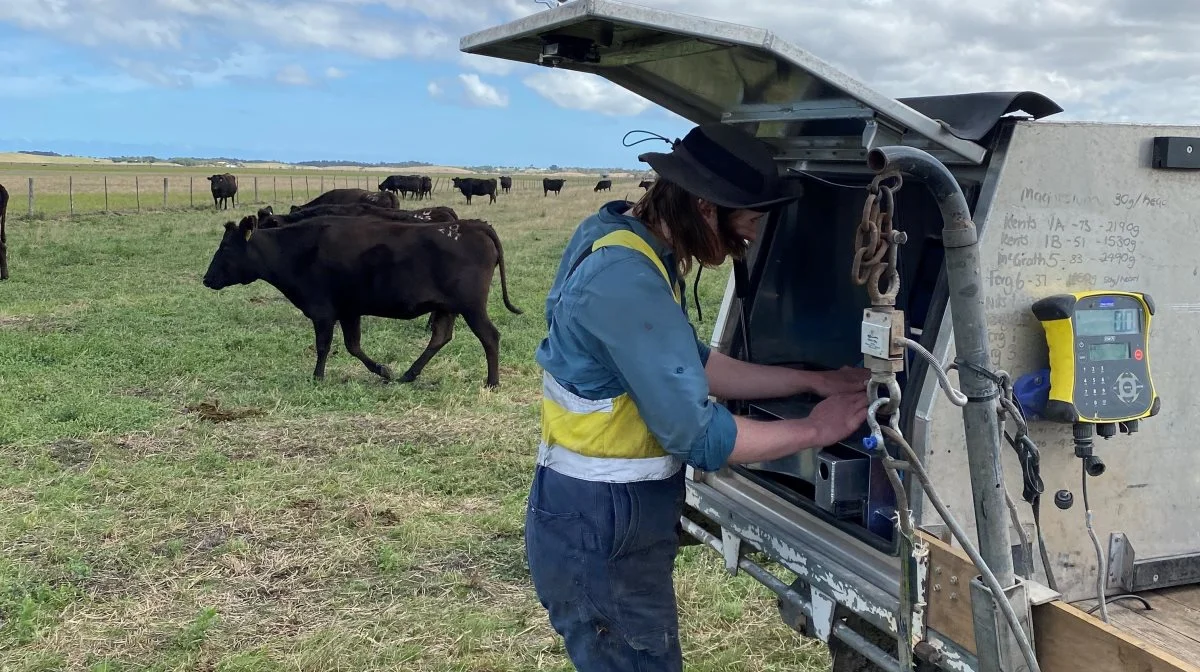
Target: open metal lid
point(706, 70)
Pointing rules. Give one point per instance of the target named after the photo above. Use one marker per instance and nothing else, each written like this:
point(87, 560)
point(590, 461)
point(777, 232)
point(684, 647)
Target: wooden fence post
point(322, 184)
point(292, 188)
point(191, 201)
point(71, 193)
point(256, 189)
point(274, 191)
point(165, 192)
point(106, 193)
point(306, 192)
point(31, 197)
point(137, 193)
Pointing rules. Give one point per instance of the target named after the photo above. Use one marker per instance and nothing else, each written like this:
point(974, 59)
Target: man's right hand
point(839, 416)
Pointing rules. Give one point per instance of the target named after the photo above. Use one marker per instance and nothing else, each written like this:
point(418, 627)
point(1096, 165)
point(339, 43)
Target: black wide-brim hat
point(726, 166)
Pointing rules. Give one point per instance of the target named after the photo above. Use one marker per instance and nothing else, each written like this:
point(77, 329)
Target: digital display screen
point(1108, 351)
point(1107, 322)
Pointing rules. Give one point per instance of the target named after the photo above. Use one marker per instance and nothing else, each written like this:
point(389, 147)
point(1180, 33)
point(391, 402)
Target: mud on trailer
point(1023, 291)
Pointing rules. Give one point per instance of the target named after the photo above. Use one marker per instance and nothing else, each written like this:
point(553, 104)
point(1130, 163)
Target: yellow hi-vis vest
point(602, 439)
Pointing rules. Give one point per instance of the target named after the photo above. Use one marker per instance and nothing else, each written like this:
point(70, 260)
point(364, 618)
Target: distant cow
point(224, 190)
point(505, 183)
point(336, 273)
point(549, 185)
point(441, 213)
point(404, 184)
point(646, 184)
point(476, 186)
point(3, 234)
point(426, 187)
point(384, 199)
point(603, 185)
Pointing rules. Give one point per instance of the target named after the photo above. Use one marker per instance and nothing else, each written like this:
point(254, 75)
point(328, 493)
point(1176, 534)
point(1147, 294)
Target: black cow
point(476, 186)
point(505, 183)
point(603, 185)
point(646, 184)
point(440, 213)
point(3, 234)
point(224, 190)
point(379, 267)
point(404, 184)
point(384, 199)
point(426, 187)
point(549, 185)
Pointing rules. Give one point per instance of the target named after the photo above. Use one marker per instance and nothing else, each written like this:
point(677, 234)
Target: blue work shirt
point(614, 327)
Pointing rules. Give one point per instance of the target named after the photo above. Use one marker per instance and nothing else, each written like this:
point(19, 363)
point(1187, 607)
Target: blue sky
point(383, 80)
point(268, 79)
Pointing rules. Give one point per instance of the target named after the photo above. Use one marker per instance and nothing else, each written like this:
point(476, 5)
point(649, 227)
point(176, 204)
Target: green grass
point(348, 524)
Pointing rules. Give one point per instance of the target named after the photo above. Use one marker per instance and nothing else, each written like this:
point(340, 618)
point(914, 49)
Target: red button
point(1137, 354)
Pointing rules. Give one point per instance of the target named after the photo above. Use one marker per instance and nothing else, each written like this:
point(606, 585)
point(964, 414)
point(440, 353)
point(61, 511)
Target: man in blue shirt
point(626, 385)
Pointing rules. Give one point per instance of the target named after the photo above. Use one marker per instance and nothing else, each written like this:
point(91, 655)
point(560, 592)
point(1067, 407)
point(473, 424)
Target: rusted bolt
point(954, 580)
point(937, 570)
point(937, 587)
point(953, 596)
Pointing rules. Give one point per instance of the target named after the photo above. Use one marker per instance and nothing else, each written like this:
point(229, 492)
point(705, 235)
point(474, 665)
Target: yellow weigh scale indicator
point(1099, 359)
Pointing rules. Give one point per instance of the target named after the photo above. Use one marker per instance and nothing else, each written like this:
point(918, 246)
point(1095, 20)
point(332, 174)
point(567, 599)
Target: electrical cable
point(957, 398)
point(1128, 596)
point(1101, 571)
point(989, 578)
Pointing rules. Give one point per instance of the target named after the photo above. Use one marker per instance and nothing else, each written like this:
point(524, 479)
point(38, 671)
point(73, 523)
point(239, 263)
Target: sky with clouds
point(383, 80)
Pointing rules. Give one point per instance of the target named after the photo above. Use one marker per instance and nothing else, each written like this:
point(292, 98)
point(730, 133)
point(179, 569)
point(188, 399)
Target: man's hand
point(846, 380)
point(839, 416)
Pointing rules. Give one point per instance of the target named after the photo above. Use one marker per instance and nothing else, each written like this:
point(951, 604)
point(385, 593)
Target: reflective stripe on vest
point(602, 439)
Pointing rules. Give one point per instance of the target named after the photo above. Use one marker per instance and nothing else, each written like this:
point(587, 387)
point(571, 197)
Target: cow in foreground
point(435, 214)
point(334, 272)
point(384, 199)
point(476, 186)
point(505, 183)
point(224, 190)
point(603, 185)
point(3, 233)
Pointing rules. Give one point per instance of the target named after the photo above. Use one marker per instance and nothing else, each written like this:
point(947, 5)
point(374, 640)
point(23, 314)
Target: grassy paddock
point(82, 189)
point(177, 494)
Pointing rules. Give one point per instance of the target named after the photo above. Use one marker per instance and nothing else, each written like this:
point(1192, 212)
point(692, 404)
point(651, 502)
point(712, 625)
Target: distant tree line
point(191, 161)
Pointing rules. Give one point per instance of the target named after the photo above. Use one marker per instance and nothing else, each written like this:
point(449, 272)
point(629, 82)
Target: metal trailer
point(995, 211)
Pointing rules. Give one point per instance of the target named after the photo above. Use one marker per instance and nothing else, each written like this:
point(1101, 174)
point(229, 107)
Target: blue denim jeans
point(601, 556)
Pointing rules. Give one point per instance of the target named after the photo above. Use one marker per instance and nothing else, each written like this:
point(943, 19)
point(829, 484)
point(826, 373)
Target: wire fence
point(89, 193)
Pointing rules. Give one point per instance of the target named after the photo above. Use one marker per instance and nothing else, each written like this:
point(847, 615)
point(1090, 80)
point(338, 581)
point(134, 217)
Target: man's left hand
point(845, 380)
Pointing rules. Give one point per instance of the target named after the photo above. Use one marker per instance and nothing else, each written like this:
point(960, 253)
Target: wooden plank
point(1066, 638)
point(949, 592)
point(1186, 595)
point(1171, 614)
point(1069, 640)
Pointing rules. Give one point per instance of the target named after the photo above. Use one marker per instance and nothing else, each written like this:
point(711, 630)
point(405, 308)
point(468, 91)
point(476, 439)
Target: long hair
point(690, 237)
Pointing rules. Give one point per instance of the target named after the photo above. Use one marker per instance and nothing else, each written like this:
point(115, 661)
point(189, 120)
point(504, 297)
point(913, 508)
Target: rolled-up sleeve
point(628, 318)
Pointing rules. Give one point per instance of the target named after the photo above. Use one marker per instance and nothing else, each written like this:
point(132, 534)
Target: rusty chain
point(876, 242)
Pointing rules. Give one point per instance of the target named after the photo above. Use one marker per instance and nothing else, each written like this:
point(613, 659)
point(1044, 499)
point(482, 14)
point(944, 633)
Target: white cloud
point(481, 94)
point(334, 73)
point(582, 91)
point(467, 90)
point(1103, 59)
point(293, 75)
point(487, 65)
